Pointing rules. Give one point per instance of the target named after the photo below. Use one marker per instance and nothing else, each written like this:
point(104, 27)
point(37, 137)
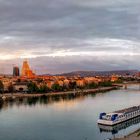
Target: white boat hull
point(121, 117)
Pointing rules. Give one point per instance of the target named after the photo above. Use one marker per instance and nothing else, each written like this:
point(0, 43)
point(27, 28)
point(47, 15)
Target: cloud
point(90, 47)
point(52, 30)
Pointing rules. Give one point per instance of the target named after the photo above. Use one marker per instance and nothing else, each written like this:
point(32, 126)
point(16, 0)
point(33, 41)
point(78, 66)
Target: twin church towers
point(25, 71)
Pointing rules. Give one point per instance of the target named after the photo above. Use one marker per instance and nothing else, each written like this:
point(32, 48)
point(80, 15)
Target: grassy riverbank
point(74, 93)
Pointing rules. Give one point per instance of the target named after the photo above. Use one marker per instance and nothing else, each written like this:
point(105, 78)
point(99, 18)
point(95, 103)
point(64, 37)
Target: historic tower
point(26, 71)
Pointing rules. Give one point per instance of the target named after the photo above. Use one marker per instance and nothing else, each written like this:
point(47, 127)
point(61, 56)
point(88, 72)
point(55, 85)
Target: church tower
point(26, 71)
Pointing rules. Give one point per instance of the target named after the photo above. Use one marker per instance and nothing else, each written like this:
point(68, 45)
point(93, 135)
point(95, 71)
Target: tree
point(92, 85)
point(106, 83)
point(119, 81)
point(43, 88)
point(32, 87)
point(65, 88)
point(57, 87)
point(1, 87)
point(72, 85)
point(11, 88)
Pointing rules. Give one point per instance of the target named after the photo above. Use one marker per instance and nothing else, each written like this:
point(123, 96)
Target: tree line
point(43, 88)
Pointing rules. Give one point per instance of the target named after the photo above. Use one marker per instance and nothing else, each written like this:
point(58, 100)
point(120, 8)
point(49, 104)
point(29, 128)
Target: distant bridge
point(125, 85)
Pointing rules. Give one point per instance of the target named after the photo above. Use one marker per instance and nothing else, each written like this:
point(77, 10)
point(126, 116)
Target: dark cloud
point(74, 30)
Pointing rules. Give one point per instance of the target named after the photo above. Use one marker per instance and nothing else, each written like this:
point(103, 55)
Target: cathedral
point(26, 71)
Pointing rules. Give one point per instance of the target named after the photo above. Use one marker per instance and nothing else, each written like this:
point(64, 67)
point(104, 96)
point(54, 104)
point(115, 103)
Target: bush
point(57, 87)
point(32, 87)
point(1, 87)
point(92, 85)
point(43, 89)
point(105, 84)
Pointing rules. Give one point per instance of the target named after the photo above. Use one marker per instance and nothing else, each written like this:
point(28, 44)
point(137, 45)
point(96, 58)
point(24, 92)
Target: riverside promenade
point(10, 96)
point(133, 136)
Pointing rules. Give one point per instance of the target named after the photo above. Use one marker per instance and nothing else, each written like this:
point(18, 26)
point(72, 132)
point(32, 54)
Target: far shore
point(9, 96)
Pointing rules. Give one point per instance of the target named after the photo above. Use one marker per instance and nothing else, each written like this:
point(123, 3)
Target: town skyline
point(81, 72)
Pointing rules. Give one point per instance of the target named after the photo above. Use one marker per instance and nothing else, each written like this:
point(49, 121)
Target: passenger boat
point(118, 127)
point(119, 116)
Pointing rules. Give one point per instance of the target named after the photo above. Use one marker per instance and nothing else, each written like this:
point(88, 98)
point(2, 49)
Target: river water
point(66, 118)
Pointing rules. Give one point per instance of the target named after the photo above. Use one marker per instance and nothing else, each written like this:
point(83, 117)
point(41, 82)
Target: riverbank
point(10, 96)
point(133, 136)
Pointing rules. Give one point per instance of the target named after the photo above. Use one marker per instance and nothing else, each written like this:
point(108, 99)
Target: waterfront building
point(114, 78)
point(50, 83)
point(66, 82)
point(80, 82)
point(60, 82)
point(89, 80)
point(26, 71)
point(16, 71)
point(6, 82)
point(20, 87)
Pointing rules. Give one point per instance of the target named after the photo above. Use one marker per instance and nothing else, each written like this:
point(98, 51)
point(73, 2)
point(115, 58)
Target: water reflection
point(60, 101)
point(71, 117)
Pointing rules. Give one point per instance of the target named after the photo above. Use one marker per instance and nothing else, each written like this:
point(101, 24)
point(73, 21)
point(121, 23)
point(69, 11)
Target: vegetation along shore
point(12, 96)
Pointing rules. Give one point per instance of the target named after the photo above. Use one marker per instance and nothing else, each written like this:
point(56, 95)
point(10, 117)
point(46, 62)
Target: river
point(66, 118)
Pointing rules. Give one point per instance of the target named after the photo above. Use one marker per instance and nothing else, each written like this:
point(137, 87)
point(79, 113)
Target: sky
point(58, 36)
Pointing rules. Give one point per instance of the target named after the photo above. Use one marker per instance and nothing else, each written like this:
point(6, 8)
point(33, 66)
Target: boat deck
point(128, 110)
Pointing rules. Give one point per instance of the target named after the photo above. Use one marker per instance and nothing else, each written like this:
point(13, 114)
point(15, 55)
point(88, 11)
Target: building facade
point(16, 71)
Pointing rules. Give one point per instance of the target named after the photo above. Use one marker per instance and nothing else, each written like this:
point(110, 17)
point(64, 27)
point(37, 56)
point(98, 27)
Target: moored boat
point(119, 116)
point(116, 128)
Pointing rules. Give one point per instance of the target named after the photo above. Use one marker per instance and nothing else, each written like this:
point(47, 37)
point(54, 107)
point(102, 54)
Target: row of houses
point(20, 83)
point(80, 81)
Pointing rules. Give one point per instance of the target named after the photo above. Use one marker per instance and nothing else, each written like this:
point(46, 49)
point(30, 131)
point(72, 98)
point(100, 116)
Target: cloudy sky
point(59, 36)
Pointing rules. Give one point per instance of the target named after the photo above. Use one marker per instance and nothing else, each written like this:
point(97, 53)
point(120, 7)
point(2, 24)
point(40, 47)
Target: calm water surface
point(64, 118)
